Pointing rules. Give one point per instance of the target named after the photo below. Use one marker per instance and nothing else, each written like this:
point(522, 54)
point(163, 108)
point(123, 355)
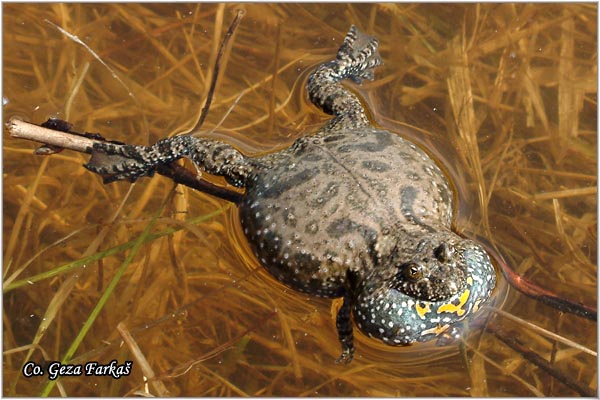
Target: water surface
point(504, 95)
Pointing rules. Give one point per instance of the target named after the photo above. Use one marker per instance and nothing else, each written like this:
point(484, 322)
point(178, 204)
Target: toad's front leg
point(130, 162)
point(343, 322)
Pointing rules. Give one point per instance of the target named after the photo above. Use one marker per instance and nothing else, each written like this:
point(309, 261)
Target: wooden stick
point(24, 130)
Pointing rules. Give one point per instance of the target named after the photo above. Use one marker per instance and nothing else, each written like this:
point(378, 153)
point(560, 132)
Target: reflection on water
point(503, 94)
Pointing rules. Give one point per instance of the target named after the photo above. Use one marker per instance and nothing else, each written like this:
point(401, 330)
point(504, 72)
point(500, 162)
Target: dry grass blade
point(476, 365)
point(461, 99)
point(77, 40)
point(147, 370)
point(535, 391)
point(569, 94)
point(23, 210)
point(547, 333)
point(587, 191)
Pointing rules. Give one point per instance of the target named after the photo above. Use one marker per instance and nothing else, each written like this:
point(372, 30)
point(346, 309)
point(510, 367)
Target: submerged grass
point(11, 283)
point(503, 94)
point(105, 295)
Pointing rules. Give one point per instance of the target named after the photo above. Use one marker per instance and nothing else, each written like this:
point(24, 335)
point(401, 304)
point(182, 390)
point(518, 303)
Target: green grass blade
point(102, 254)
point(135, 246)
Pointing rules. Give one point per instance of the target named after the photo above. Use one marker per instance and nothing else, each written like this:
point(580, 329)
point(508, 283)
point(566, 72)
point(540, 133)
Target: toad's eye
point(412, 271)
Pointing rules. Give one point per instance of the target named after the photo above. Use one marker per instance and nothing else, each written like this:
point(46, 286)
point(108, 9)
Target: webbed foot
point(358, 55)
point(120, 162)
point(347, 353)
point(355, 60)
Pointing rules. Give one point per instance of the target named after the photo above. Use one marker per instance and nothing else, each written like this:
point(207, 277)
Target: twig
point(24, 130)
point(216, 68)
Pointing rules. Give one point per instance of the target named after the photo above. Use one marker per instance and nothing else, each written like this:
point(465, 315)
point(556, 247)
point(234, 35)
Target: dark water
point(503, 95)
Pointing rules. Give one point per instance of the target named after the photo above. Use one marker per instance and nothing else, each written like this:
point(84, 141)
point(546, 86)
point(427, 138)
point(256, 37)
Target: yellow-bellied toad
point(351, 211)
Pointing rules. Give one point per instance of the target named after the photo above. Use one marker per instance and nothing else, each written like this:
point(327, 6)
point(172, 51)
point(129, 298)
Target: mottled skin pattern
point(351, 211)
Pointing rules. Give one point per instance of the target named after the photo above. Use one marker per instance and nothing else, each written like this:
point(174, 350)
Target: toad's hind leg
point(130, 162)
point(355, 60)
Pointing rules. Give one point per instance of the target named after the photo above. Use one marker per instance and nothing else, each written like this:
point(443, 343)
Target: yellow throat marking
point(458, 309)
